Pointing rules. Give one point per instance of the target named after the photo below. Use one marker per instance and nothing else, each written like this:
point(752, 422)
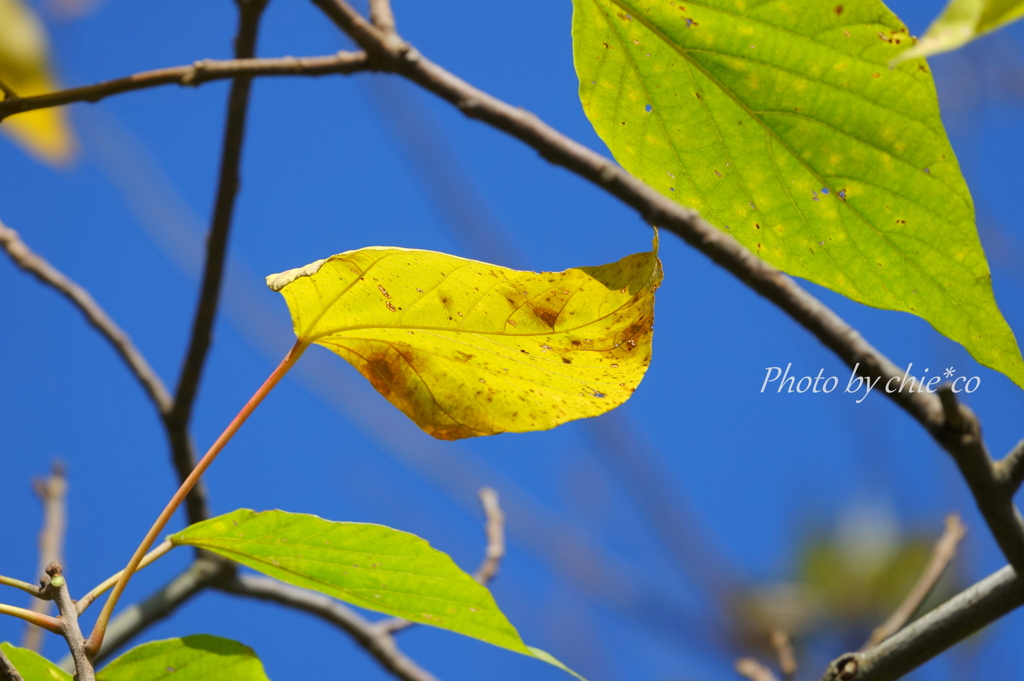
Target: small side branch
point(57, 588)
point(749, 668)
point(935, 631)
point(1010, 469)
point(52, 492)
point(382, 16)
point(942, 556)
point(784, 652)
point(193, 75)
point(9, 94)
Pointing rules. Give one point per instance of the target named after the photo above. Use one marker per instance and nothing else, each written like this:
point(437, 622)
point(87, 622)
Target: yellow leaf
point(465, 348)
point(25, 68)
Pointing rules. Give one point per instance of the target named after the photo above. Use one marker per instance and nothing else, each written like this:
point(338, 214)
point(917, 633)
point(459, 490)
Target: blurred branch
point(374, 640)
point(52, 492)
point(934, 632)
point(942, 556)
point(1010, 469)
point(177, 420)
point(193, 74)
point(784, 652)
point(9, 94)
point(382, 16)
point(749, 668)
point(494, 528)
point(7, 670)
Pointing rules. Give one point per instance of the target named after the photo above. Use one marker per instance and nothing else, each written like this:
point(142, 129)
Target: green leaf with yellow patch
point(370, 566)
point(465, 348)
point(784, 125)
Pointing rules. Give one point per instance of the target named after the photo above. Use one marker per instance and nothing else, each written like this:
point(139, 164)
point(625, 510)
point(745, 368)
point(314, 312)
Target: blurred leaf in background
point(961, 22)
point(25, 69)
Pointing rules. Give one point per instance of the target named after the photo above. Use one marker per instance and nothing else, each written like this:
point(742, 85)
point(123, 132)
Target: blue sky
point(337, 163)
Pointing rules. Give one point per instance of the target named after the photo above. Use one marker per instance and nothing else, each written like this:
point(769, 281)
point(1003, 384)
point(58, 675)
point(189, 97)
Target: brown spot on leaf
point(545, 315)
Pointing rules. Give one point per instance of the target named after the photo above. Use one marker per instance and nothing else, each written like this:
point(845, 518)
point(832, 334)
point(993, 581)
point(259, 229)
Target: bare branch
point(133, 620)
point(378, 643)
point(193, 74)
point(962, 438)
point(56, 587)
point(7, 670)
point(749, 668)
point(784, 652)
point(217, 241)
point(934, 632)
point(495, 531)
point(942, 556)
point(382, 16)
point(42, 270)
point(1010, 469)
point(45, 621)
point(494, 528)
point(52, 492)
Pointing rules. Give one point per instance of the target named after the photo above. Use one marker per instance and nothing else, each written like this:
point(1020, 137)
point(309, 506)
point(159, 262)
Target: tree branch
point(749, 668)
point(56, 587)
point(375, 641)
point(193, 75)
point(182, 449)
point(934, 632)
point(52, 492)
point(7, 670)
point(9, 94)
point(942, 555)
point(177, 420)
point(1010, 469)
point(382, 16)
point(784, 652)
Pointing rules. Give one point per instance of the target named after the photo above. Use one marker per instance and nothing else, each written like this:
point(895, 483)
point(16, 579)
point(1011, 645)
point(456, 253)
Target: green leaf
point(193, 658)
point(25, 68)
point(465, 348)
point(961, 22)
point(371, 566)
point(782, 123)
point(32, 666)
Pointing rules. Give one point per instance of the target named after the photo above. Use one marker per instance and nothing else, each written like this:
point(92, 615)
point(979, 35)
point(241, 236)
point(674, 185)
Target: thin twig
point(52, 492)
point(7, 670)
point(56, 587)
point(177, 421)
point(191, 75)
point(784, 652)
point(749, 668)
point(18, 584)
point(933, 632)
point(47, 622)
point(942, 555)
point(494, 529)
point(378, 643)
point(382, 16)
point(182, 450)
point(87, 600)
point(42, 270)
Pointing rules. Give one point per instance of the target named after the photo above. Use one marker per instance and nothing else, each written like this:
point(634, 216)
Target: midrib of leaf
point(683, 53)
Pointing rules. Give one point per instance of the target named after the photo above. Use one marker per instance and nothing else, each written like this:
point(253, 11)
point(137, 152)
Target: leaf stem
point(45, 621)
point(92, 645)
point(18, 584)
point(86, 600)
